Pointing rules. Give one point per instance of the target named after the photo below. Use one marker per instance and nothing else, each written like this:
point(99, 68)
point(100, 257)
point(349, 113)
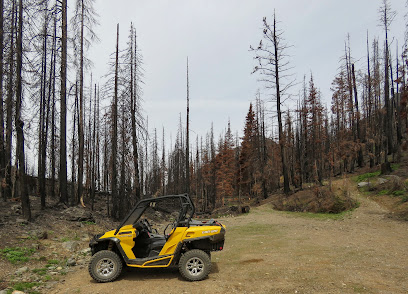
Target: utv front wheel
point(105, 266)
point(194, 265)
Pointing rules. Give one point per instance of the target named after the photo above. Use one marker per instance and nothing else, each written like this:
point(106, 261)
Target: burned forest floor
point(266, 251)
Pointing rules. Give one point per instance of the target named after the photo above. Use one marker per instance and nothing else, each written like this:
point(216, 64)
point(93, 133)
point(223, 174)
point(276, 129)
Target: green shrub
point(23, 286)
point(40, 271)
point(398, 193)
point(47, 278)
point(53, 261)
point(383, 192)
point(17, 254)
point(395, 166)
point(364, 177)
point(88, 223)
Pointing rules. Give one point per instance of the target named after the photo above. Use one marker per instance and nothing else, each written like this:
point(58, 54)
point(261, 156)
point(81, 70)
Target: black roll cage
point(142, 205)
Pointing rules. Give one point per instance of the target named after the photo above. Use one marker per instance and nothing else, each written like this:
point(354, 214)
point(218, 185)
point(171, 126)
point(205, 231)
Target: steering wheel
point(146, 225)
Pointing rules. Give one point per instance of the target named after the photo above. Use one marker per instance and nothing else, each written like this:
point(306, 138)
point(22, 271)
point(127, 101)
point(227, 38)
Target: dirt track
point(274, 252)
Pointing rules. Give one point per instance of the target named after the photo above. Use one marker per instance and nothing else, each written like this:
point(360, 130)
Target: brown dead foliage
point(316, 200)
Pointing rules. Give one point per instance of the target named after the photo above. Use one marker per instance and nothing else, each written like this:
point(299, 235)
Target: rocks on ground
point(364, 184)
point(21, 270)
point(381, 181)
point(71, 245)
point(77, 214)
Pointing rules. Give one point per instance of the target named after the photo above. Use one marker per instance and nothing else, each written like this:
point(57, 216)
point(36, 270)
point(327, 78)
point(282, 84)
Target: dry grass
point(317, 200)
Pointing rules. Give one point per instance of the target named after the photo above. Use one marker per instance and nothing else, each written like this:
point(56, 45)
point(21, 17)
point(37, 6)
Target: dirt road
point(273, 252)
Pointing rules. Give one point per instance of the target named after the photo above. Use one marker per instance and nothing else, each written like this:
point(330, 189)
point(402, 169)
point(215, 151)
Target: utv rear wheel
point(105, 266)
point(194, 265)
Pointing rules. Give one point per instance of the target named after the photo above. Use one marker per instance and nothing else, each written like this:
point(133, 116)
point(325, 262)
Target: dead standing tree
point(2, 149)
point(9, 103)
point(386, 18)
point(273, 68)
point(25, 200)
point(135, 89)
point(84, 20)
point(188, 137)
point(63, 104)
point(114, 182)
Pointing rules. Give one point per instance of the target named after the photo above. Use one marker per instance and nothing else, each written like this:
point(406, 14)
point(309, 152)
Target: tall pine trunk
point(43, 102)
point(286, 188)
point(133, 103)
point(188, 138)
point(114, 183)
point(2, 149)
point(63, 103)
point(54, 61)
point(19, 124)
point(9, 110)
point(81, 109)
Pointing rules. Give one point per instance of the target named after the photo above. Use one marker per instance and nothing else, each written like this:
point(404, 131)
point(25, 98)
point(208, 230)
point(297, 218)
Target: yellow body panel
point(175, 238)
point(126, 235)
point(200, 232)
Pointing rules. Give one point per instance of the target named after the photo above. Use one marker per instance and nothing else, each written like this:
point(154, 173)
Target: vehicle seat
point(148, 245)
point(156, 243)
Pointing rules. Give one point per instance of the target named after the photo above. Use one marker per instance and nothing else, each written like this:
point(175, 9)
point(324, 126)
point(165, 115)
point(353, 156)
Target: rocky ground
point(36, 256)
point(266, 251)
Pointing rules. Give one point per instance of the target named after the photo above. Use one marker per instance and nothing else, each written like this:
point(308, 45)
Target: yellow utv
point(157, 233)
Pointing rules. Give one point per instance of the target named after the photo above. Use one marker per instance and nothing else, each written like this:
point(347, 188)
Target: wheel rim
point(195, 266)
point(105, 267)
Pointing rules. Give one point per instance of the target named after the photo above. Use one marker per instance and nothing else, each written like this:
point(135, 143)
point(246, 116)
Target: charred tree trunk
point(81, 108)
point(9, 110)
point(2, 149)
point(25, 200)
point(114, 184)
point(122, 181)
point(93, 159)
point(73, 162)
point(53, 110)
point(286, 188)
point(188, 138)
point(63, 189)
point(43, 101)
point(133, 105)
point(360, 158)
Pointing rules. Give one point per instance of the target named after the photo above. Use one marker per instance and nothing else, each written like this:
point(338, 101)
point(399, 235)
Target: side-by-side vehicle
point(157, 233)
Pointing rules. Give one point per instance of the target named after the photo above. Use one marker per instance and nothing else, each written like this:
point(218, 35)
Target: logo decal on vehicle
point(209, 232)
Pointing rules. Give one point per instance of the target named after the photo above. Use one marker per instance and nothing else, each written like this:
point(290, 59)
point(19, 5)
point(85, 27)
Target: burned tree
point(63, 104)
point(273, 69)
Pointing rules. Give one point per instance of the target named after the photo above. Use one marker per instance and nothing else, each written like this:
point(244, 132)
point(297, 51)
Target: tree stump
point(245, 209)
point(386, 168)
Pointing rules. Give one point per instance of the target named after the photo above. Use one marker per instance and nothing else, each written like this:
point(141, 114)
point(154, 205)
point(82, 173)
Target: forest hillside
point(360, 251)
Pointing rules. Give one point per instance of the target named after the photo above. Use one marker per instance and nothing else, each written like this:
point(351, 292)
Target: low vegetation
point(317, 200)
point(390, 190)
point(17, 254)
point(366, 176)
point(320, 216)
point(24, 286)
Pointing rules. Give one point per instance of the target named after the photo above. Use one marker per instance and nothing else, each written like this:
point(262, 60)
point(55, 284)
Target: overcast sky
point(215, 35)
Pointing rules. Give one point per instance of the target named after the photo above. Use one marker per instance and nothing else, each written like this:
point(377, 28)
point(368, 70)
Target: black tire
point(208, 253)
point(105, 266)
point(194, 265)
